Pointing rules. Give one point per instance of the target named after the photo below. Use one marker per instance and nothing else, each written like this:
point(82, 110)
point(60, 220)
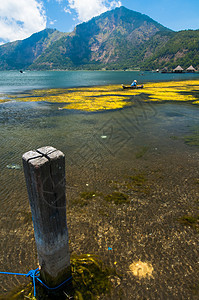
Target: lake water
point(14, 81)
point(99, 147)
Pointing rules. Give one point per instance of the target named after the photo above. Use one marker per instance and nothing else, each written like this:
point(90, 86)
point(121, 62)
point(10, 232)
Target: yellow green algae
point(117, 198)
point(193, 139)
point(91, 279)
point(192, 221)
point(111, 97)
point(141, 152)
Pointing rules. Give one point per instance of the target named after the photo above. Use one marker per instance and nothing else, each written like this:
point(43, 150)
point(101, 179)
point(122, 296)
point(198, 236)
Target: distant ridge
point(21, 54)
point(117, 39)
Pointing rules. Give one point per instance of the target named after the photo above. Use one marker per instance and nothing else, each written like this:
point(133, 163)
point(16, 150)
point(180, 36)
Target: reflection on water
point(99, 147)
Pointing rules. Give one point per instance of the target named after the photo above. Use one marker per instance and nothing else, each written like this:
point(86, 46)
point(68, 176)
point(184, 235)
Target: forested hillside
point(117, 39)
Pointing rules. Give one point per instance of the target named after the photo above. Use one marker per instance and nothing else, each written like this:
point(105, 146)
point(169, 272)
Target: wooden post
point(44, 171)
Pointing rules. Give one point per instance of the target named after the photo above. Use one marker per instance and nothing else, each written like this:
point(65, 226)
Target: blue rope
point(54, 288)
point(10, 273)
point(34, 274)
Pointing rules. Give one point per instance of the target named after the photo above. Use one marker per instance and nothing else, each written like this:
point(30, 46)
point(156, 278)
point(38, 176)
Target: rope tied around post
point(34, 274)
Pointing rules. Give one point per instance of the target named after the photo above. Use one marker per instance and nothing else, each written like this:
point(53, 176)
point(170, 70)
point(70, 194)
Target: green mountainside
point(117, 39)
point(21, 54)
point(182, 48)
point(111, 40)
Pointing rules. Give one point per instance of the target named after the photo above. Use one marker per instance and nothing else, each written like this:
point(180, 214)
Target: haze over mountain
point(117, 39)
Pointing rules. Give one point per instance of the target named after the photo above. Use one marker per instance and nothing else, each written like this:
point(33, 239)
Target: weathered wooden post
point(44, 171)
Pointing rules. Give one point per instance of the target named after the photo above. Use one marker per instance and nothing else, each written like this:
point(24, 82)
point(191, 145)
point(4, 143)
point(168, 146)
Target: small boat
point(132, 87)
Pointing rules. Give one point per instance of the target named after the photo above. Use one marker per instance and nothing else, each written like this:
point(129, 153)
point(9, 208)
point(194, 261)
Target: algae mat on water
point(112, 97)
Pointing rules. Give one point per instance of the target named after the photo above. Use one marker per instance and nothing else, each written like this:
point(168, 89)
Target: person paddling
point(134, 83)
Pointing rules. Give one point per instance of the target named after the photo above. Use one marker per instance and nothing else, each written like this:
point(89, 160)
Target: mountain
point(111, 38)
point(21, 54)
point(117, 39)
point(181, 48)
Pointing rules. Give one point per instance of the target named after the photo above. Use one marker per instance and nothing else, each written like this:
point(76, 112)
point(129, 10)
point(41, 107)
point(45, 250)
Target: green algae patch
point(174, 137)
point(111, 97)
point(91, 280)
point(193, 139)
point(195, 289)
point(84, 99)
point(189, 220)
point(196, 181)
point(138, 179)
point(196, 102)
point(117, 198)
point(87, 195)
point(20, 293)
point(138, 184)
point(141, 152)
point(173, 91)
point(83, 199)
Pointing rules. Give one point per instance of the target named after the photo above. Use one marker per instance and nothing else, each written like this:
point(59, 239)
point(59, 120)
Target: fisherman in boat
point(134, 83)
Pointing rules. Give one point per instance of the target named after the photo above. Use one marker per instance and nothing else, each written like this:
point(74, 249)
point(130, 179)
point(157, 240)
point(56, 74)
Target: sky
point(21, 18)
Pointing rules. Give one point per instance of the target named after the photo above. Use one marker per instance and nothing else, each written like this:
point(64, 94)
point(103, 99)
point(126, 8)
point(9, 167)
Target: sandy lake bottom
point(132, 192)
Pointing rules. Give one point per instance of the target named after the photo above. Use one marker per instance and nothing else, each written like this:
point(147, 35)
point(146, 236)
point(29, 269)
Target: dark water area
point(100, 148)
point(14, 81)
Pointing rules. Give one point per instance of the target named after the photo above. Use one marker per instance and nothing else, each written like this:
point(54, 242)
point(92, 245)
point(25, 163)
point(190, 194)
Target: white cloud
point(52, 22)
point(86, 9)
point(67, 11)
point(20, 18)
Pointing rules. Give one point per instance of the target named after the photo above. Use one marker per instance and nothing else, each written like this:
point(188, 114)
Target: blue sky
point(20, 18)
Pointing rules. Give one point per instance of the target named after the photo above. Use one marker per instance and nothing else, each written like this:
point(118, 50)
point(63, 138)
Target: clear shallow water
point(91, 161)
point(14, 81)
